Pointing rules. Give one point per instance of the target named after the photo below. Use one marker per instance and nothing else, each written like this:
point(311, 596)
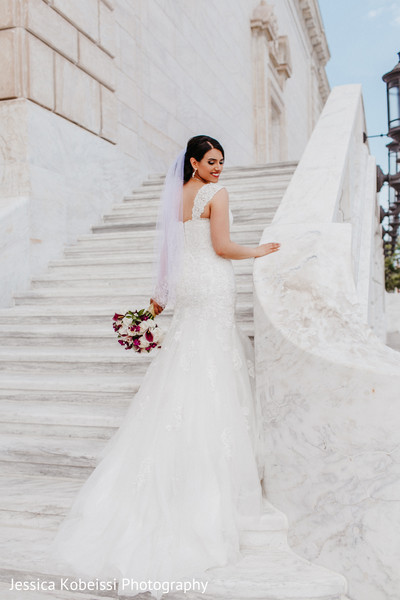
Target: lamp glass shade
point(394, 104)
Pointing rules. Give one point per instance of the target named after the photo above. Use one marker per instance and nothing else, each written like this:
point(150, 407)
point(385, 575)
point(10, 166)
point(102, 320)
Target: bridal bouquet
point(137, 330)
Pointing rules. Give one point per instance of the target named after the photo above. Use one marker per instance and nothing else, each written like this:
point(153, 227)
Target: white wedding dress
point(179, 480)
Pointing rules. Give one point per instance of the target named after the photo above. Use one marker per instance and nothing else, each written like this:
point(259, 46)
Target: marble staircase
point(65, 385)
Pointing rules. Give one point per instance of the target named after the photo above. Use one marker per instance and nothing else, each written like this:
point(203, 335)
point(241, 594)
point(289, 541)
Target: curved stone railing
point(328, 385)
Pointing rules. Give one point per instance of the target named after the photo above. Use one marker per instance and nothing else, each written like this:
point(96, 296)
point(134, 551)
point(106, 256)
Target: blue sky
point(364, 38)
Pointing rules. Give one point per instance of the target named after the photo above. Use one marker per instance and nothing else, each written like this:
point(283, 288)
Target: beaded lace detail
point(203, 196)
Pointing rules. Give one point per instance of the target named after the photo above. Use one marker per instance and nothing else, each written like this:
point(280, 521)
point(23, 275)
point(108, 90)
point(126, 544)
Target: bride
point(178, 481)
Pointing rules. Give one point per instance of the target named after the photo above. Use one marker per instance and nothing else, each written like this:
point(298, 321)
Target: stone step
point(149, 216)
point(247, 188)
point(71, 334)
point(254, 196)
point(70, 319)
point(39, 455)
point(130, 259)
point(234, 181)
point(235, 229)
point(147, 225)
point(76, 328)
point(29, 499)
point(69, 314)
point(117, 285)
point(240, 174)
point(69, 388)
point(113, 361)
point(139, 248)
point(102, 315)
point(111, 296)
point(113, 279)
point(124, 227)
point(41, 502)
point(93, 265)
point(273, 573)
point(148, 229)
point(24, 501)
point(115, 239)
point(61, 419)
point(106, 340)
point(143, 243)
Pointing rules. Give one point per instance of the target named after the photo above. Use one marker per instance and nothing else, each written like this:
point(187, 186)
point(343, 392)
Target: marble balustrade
point(328, 384)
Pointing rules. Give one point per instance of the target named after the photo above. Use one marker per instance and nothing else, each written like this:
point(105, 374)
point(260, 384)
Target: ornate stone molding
point(316, 33)
point(264, 22)
point(313, 25)
point(271, 69)
point(279, 53)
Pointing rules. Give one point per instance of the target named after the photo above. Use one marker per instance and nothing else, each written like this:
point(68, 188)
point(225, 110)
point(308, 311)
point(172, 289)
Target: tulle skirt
point(179, 480)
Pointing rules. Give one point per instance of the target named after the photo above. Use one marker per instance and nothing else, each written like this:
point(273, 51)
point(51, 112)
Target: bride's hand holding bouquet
point(157, 308)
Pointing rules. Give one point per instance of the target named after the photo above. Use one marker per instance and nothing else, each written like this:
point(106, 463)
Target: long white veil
point(169, 242)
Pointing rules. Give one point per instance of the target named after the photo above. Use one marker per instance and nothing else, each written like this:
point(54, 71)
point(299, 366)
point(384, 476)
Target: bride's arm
point(220, 234)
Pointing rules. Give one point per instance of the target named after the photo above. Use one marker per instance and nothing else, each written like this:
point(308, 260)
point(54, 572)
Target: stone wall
point(59, 54)
point(97, 94)
point(146, 75)
point(189, 68)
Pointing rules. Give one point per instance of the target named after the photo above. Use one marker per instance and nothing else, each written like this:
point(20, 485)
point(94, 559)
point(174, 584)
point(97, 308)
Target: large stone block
point(128, 141)
point(127, 58)
point(9, 64)
point(96, 62)
point(129, 92)
point(8, 14)
point(84, 15)
point(77, 95)
point(51, 27)
point(109, 114)
point(40, 72)
point(107, 29)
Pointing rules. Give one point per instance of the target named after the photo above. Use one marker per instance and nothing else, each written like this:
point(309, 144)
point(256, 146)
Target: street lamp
point(392, 80)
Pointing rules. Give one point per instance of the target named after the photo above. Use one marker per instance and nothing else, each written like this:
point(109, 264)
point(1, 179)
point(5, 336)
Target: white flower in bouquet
point(145, 325)
point(125, 324)
point(143, 343)
point(157, 335)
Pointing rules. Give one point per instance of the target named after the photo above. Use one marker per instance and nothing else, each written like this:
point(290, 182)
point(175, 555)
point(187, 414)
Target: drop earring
point(194, 172)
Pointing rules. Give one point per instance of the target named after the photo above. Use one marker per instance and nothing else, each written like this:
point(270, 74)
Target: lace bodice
point(204, 195)
point(207, 285)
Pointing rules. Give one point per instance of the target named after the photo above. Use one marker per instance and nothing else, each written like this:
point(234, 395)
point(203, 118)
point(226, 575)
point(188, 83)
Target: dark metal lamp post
point(392, 80)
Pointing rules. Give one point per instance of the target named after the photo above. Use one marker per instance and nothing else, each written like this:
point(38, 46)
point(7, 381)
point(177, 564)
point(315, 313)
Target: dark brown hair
point(196, 148)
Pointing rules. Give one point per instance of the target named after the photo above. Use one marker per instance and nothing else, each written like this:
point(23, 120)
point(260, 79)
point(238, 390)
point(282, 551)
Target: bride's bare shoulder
point(220, 194)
